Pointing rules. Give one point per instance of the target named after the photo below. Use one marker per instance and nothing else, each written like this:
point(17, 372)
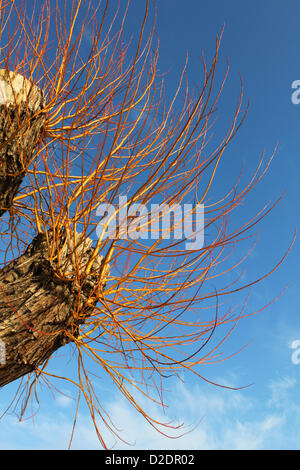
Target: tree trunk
point(39, 312)
point(21, 125)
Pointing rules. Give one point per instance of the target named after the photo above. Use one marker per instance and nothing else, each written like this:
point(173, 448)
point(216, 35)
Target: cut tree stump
point(21, 124)
point(39, 312)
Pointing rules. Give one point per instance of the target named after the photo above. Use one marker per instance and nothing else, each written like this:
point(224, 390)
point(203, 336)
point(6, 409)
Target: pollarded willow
point(136, 307)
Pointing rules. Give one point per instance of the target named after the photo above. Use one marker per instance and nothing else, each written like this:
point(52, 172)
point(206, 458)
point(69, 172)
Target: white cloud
point(279, 390)
point(64, 400)
point(213, 419)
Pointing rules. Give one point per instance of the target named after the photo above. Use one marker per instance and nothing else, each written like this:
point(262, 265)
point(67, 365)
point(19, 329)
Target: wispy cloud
point(280, 391)
point(213, 419)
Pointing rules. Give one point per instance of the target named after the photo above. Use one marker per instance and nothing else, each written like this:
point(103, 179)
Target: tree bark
point(38, 311)
point(21, 125)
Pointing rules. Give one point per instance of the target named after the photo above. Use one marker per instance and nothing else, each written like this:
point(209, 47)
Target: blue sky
point(261, 40)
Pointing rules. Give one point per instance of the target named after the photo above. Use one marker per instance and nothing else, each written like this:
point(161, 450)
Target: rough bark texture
point(20, 132)
point(36, 311)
